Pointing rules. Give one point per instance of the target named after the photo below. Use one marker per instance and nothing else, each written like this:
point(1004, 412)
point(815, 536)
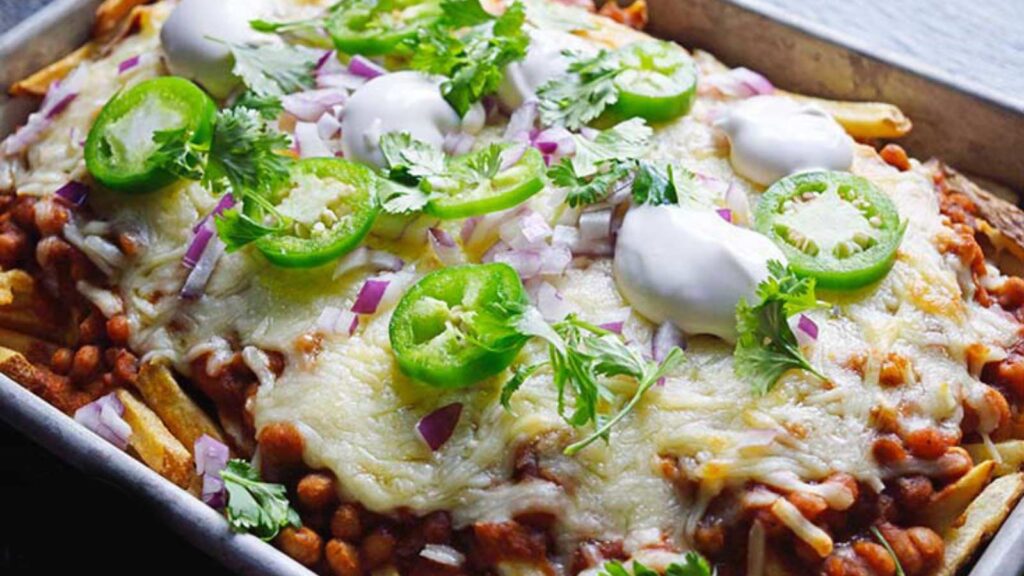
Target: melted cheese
point(358, 413)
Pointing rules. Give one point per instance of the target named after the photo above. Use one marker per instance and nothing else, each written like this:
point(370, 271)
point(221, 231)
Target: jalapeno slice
point(658, 82)
point(374, 27)
point(451, 329)
point(120, 145)
point(832, 226)
point(326, 211)
point(473, 190)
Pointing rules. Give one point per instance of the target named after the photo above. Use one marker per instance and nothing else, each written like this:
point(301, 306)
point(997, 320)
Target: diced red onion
point(196, 248)
point(310, 105)
point(555, 143)
point(128, 64)
point(211, 456)
point(666, 337)
point(363, 257)
point(522, 122)
point(370, 296)
point(333, 320)
point(726, 214)
point(226, 202)
point(328, 127)
point(341, 80)
point(526, 263)
point(567, 236)
point(58, 97)
point(104, 417)
point(806, 331)
point(476, 231)
point(308, 142)
point(615, 327)
point(458, 143)
point(554, 260)
point(199, 277)
point(513, 154)
point(438, 426)
point(529, 232)
point(325, 60)
point(738, 203)
point(551, 304)
point(444, 246)
point(738, 82)
point(365, 68)
point(622, 191)
point(74, 193)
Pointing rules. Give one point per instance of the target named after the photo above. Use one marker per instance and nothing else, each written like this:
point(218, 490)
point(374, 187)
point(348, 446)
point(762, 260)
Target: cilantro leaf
point(581, 355)
point(693, 565)
point(410, 160)
point(268, 107)
point(625, 141)
point(244, 155)
point(253, 506)
point(237, 229)
point(464, 13)
point(602, 162)
point(766, 347)
point(177, 154)
point(659, 184)
point(583, 94)
point(273, 70)
point(474, 62)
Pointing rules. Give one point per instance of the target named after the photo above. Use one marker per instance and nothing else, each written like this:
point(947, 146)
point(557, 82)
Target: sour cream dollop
point(400, 102)
point(187, 35)
point(772, 137)
point(689, 267)
point(544, 62)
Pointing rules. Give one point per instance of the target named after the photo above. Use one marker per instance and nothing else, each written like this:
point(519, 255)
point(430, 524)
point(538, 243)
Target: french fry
point(38, 83)
point(112, 13)
point(154, 443)
point(981, 520)
point(27, 345)
point(946, 506)
point(1011, 454)
point(186, 420)
point(1002, 222)
point(862, 120)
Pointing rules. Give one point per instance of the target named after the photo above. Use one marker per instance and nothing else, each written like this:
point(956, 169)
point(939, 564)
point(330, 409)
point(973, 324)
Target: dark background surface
point(55, 520)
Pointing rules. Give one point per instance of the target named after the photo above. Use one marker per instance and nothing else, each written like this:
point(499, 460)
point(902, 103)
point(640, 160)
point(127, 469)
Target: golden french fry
point(112, 13)
point(154, 443)
point(981, 520)
point(183, 417)
point(26, 344)
point(863, 120)
point(1011, 454)
point(37, 84)
point(14, 365)
point(14, 282)
point(947, 505)
point(1002, 222)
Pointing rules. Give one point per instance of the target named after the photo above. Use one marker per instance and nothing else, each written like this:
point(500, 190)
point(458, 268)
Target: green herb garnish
point(580, 356)
point(474, 61)
point(581, 96)
point(766, 347)
point(599, 164)
point(888, 548)
point(256, 507)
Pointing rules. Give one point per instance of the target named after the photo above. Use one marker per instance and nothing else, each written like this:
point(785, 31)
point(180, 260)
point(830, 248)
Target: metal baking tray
point(972, 129)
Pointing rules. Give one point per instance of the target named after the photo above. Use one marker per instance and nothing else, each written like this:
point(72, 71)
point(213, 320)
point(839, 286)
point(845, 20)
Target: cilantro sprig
point(613, 158)
point(256, 507)
point(474, 61)
point(693, 565)
point(888, 548)
point(273, 69)
point(581, 356)
point(583, 94)
point(766, 347)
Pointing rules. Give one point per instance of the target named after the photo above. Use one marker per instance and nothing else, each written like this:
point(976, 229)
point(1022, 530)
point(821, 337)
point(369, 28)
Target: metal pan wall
point(976, 131)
